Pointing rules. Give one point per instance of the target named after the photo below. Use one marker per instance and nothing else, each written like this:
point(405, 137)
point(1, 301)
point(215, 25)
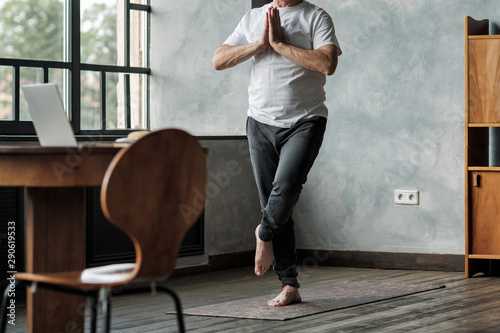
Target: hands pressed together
point(323, 59)
point(272, 35)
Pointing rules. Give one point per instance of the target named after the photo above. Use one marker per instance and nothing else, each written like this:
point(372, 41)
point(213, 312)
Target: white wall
point(396, 115)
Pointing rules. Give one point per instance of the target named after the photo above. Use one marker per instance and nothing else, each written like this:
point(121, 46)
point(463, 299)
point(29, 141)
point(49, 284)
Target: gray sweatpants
point(281, 159)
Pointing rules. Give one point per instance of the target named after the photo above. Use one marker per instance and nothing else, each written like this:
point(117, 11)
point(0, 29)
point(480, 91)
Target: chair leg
point(106, 308)
point(5, 301)
point(93, 313)
point(180, 319)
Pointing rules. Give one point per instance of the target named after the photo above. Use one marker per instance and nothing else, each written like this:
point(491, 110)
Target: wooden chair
point(154, 192)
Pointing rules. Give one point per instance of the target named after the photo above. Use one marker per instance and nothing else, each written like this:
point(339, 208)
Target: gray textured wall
point(232, 209)
point(396, 117)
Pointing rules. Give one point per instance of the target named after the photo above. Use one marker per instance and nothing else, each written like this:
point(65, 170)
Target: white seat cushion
point(107, 274)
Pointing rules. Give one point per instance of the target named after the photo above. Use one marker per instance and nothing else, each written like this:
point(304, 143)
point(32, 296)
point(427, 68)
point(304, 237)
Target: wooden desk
point(55, 220)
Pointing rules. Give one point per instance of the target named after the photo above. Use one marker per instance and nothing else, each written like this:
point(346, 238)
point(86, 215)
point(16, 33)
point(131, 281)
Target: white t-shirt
point(282, 93)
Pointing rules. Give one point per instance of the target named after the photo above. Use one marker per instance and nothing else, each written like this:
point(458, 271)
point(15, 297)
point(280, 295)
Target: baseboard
point(383, 260)
point(220, 262)
point(359, 259)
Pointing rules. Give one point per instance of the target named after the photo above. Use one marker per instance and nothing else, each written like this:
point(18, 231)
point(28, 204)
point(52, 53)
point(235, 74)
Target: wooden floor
point(465, 305)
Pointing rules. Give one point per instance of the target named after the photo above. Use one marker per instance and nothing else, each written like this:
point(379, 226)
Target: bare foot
point(289, 295)
point(264, 255)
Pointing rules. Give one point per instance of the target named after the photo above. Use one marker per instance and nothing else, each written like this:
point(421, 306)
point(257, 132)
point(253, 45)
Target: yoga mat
point(315, 300)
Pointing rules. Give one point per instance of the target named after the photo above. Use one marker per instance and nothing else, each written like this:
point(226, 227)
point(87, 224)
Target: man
point(292, 46)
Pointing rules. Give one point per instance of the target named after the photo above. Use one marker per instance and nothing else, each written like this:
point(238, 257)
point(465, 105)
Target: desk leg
point(55, 234)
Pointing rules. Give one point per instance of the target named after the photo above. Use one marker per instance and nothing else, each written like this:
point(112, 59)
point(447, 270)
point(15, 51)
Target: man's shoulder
point(253, 18)
point(259, 10)
point(315, 14)
point(312, 8)
point(255, 13)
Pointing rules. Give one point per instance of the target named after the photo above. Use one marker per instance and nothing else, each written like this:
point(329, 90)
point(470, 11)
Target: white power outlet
point(404, 197)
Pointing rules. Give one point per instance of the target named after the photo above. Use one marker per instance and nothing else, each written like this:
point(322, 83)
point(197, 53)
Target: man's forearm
point(227, 56)
point(323, 60)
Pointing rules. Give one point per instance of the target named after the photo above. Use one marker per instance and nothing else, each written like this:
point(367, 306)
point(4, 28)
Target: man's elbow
point(217, 62)
point(329, 71)
point(217, 65)
point(331, 67)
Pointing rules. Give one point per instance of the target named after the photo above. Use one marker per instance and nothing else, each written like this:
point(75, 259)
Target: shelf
point(483, 256)
point(484, 37)
point(482, 75)
point(484, 124)
point(483, 168)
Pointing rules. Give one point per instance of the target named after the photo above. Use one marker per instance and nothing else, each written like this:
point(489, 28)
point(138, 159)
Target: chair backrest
point(154, 191)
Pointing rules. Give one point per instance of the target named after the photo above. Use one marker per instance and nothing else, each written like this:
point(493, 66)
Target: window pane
point(140, 2)
point(6, 93)
point(138, 46)
point(29, 75)
point(114, 102)
point(61, 77)
point(90, 101)
point(117, 109)
point(32, 29)
point(99, 32)
point(138, 100)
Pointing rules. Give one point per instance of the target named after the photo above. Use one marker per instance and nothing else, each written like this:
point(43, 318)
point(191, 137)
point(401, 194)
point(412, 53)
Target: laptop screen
point(49, 118)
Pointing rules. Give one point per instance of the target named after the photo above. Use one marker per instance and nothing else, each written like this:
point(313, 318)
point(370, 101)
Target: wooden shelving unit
point(482, 181)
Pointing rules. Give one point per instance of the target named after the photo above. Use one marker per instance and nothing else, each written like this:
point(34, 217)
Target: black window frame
point(260, 3)
point(23, 128)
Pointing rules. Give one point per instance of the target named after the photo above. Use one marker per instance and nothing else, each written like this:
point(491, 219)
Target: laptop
point(49, 118)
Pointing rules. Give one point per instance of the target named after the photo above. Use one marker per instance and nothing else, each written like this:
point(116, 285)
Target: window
point(95, 50)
